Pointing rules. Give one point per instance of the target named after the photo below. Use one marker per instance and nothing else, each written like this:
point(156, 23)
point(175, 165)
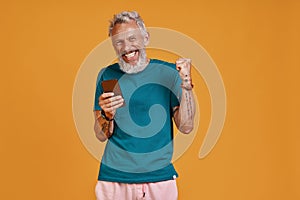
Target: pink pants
point(164, 190)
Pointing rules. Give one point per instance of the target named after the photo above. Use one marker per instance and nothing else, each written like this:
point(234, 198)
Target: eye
point(132, 38)
point(118, 42)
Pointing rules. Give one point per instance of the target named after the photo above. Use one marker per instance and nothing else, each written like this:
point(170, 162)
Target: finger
point(106, 95)
point(179, 64)
point(113, 109)
point(178, 67)
point(110, 100)
point(105, 99)
point(114, 105)
point(180, 60)
point(116, 98)
point(117, 103)
point(183, 61)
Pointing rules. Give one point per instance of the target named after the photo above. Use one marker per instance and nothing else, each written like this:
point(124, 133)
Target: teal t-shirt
point(141, 147)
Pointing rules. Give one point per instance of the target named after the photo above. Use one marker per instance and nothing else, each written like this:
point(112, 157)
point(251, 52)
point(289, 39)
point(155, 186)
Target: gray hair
point(125, 17)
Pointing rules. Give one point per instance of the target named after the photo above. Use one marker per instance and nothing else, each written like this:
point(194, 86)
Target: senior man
point(138, 123)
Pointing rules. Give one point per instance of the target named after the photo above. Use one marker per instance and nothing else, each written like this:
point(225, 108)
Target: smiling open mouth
point(131, 55)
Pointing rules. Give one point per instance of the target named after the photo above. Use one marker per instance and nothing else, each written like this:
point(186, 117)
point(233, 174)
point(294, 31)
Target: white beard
point(133, 69)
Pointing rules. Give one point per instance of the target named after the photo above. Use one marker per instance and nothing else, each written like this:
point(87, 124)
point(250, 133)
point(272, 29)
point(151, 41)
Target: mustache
point(127, 68)
point(123, 53)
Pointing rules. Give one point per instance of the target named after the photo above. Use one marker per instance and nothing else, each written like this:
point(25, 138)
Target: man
point(137, 125)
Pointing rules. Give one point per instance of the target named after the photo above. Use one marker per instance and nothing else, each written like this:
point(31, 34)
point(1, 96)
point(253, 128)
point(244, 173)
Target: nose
point(126, 45)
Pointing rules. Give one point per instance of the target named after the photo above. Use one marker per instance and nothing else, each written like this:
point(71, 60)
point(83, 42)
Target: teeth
point(129, 55)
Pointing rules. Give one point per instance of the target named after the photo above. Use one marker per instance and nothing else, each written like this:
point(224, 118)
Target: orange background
point(255, 45)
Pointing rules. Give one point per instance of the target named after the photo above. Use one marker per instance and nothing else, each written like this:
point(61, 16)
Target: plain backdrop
point(255, 45)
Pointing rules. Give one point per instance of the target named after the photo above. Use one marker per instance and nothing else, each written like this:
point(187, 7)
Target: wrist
point(104, 116)
point(187, 83)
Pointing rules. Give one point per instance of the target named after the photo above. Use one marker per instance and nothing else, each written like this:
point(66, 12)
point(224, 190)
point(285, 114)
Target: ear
point(146, 39)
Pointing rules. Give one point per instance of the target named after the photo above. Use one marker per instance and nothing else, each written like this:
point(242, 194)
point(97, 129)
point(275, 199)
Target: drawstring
point(143, 190)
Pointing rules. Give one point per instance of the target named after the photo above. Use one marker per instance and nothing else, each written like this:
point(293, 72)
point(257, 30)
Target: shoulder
point(111, 71)
point(163, 63)
point(111, 68)
point(164, 67)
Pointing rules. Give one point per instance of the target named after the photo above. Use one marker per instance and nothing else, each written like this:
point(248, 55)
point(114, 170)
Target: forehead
point(124, 27)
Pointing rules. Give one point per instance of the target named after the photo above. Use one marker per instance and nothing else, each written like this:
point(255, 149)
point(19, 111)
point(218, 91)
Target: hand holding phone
point(112, 86)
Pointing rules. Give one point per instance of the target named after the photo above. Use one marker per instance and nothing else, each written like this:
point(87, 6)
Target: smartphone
point(111, 86)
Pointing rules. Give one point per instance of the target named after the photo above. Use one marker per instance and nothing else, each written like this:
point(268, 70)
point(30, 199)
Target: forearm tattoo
point(105, 127)
point(189, 105)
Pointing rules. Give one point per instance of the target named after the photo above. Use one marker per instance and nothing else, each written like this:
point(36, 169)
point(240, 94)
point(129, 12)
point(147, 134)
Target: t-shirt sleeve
point(176, 90)
point(99, 90)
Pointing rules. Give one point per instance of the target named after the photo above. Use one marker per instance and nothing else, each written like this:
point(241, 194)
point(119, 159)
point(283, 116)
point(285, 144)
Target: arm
point(104, 126)
point(184, 114)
